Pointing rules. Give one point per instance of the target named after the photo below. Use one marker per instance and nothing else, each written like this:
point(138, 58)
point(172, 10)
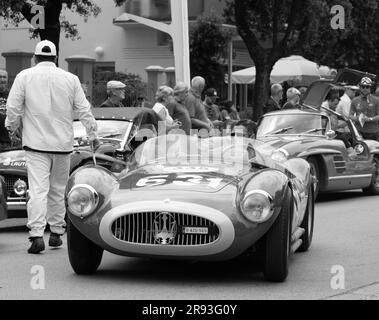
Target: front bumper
point(235, 234)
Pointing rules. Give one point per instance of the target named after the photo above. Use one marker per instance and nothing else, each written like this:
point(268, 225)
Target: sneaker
point(37, 246)
point(55, 240)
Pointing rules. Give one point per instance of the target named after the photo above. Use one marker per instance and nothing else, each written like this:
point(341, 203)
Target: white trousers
point(48, 175)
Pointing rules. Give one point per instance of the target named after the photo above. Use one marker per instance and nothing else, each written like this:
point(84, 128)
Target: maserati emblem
point(165, 228)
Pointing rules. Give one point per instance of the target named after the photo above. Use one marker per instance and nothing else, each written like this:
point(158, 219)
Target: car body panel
point(338, 170)
point(187, 190)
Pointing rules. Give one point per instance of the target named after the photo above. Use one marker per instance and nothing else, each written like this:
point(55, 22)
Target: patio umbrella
point(293, 68)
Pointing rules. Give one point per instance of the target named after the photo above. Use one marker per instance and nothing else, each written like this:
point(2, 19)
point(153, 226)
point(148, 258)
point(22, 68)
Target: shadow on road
point(338, 196)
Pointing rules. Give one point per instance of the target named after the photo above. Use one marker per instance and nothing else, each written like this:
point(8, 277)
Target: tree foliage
point(208, 48)
point(272, 29)
point(14, 11)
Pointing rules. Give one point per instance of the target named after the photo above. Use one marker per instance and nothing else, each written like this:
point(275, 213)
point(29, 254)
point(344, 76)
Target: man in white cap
point(116, 93)
point(45, 98)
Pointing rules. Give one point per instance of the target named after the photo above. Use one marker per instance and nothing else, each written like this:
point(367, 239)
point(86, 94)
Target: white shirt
point(45, 98)
point(344, 105)
point(163, 113)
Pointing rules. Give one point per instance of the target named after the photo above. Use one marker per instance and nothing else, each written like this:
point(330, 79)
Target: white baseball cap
point(115, 85)
point(45, 48)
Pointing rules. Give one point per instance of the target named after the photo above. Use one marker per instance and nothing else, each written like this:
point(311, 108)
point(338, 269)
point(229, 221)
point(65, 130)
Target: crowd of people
point(357, 103)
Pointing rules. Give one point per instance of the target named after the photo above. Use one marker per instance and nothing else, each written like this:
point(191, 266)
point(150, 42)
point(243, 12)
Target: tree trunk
point(261, 89)
point(52, 29)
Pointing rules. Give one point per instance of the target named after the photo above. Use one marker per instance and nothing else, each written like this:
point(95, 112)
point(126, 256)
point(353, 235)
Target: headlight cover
point(82, 200)
point(257, 206)
point(20, 188)
point(280, 155)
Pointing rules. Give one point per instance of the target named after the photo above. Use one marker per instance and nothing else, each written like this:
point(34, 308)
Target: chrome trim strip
point(350, 177)
point(16, 205)
point(225, 239)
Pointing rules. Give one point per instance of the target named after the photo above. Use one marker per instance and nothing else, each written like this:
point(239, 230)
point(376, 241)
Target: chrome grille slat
point(140, 227)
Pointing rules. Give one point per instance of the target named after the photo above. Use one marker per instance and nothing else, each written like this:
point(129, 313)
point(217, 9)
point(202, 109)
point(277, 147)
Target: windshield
point(114, 129)
point(313, 124)
point(182, 150)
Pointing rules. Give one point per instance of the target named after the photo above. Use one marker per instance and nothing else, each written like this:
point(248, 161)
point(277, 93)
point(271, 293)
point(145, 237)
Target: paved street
point(346, 234)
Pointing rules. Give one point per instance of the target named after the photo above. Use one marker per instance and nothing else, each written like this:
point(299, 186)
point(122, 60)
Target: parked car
point(3, 200)
point(117, 129)
point(308, 135)
point(186, 198)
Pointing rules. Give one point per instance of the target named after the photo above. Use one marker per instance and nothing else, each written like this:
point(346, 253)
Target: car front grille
point(163, 228)
point(10, 180)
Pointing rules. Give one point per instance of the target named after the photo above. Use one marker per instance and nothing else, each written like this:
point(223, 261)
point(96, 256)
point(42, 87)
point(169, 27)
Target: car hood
point(184, 178)
point(12, 159)
point(290, 141)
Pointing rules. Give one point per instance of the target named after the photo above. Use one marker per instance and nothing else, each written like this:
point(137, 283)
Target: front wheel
point(373, 188)
point(278, 244)
point(84, 255)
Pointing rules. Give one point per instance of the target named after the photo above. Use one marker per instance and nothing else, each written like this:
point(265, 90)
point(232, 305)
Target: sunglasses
point(366, 87)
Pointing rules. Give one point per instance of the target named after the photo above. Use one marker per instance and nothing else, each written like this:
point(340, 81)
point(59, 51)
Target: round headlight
point(359, 149)
point(256, 206)
point(82, 200)
point(20, 187)
point(280, 155)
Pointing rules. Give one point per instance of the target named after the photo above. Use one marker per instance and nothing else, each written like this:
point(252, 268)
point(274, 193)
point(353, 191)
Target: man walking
point(365, 111)
point(43, 98)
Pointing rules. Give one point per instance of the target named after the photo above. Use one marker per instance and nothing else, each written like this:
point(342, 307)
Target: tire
point(308, 223)
point(278, 244)
point(373, 188)
point(315, 172)
point(84, 255)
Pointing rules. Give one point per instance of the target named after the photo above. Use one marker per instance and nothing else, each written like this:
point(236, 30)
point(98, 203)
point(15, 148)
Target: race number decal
point(185, 180)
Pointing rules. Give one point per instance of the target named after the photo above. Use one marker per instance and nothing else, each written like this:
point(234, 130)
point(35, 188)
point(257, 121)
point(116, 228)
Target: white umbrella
point(295, 68)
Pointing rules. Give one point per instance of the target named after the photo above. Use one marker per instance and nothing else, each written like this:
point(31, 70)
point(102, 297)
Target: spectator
point(273, 103)
point(344, 105)
point(293, 99)
point(364, 111)
point(331, 103)
point(177, 109)
point(302, 90)
point(162, 100)
point(116, 94)
point(195, 107)
point(43, 99)
point(212, 110)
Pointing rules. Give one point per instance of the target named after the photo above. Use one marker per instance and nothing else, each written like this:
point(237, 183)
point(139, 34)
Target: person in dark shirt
point(364, 111)
point(212, 110)
point(116, 93)
point(177, 109)
point(273, 103)
point(293, 99)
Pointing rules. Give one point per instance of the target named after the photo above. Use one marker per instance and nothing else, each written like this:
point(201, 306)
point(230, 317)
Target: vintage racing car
point(308, 135)
point(116, 129)
point(193, 199)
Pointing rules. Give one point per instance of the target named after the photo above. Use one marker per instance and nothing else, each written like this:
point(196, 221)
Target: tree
point(208, 47)
point(272, 29)
point(14, 11)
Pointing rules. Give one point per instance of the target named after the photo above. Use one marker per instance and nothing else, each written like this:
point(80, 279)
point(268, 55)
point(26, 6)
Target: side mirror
point(331, 134)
